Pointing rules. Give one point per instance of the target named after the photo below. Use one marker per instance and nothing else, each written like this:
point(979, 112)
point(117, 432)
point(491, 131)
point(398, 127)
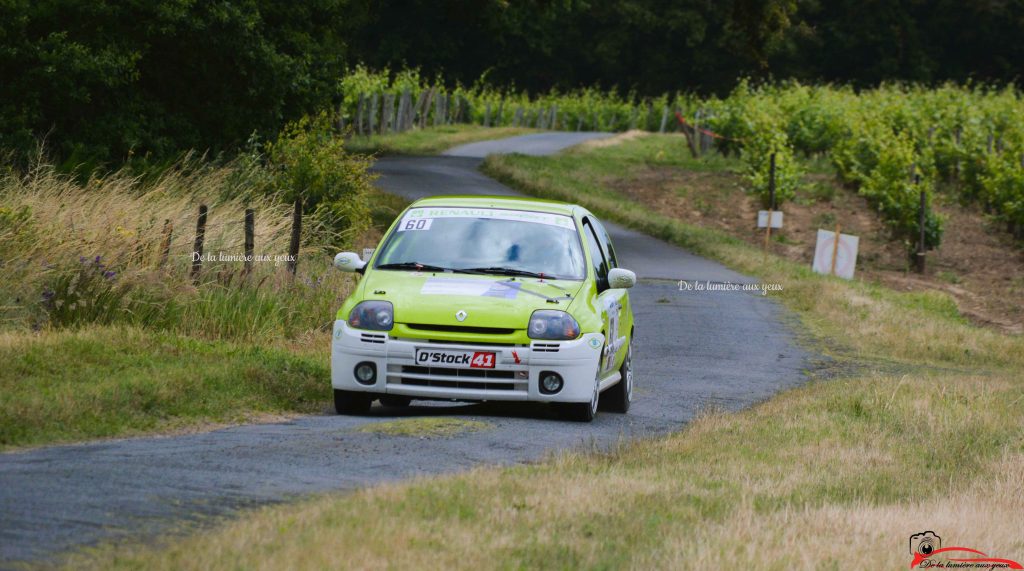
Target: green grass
point(430, 140)
point(428, 427)
point(867, 320)
point(113, 381)
point(925, 434)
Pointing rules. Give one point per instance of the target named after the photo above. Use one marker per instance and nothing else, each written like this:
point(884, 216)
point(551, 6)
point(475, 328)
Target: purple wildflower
point(109, 274)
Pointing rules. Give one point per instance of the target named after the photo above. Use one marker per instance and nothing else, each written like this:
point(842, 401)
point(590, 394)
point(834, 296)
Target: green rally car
point(482, 298)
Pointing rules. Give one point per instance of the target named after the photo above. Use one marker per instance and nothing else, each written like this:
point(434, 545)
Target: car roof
point(509, 202)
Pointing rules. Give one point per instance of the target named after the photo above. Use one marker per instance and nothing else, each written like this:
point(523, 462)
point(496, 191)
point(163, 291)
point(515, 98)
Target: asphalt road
point(693, 350)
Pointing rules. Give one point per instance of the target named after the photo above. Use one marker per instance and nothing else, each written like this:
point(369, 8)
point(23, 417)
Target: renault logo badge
point(461, 315)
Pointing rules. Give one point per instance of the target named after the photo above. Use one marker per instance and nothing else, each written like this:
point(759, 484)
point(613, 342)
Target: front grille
point(451, 372)
point(459, 384)
point(455, 378)
point(372, 337)
point(461, 329)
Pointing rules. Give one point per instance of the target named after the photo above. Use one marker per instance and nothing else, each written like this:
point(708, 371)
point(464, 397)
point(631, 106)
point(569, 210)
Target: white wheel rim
point(597, 395)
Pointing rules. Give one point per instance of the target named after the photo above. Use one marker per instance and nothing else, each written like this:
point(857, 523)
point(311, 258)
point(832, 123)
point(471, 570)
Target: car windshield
point(485, 240)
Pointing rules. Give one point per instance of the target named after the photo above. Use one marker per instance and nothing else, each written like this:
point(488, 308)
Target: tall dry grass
point(75, 253)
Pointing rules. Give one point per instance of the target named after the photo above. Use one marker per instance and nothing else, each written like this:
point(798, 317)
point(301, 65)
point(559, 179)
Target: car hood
point(488, 301)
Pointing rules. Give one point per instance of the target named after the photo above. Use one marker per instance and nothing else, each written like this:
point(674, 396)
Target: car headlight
point(375, 315)
point(553, 325)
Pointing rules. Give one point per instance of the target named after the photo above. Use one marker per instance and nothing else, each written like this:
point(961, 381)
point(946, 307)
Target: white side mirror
point(619, 278)
point(348, 262)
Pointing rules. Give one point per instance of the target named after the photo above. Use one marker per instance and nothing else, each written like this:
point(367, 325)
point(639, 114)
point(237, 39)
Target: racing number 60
point(417, 224)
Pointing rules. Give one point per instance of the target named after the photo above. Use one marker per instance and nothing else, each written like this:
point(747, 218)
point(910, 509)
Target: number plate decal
point(415, 224)
point(456, 359)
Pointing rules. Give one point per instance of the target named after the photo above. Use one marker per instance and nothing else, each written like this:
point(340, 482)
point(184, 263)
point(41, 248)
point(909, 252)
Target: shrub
point(757, 154)
point(309, 162)
point(891, 189)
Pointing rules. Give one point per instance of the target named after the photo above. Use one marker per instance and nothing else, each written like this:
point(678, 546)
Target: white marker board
point(762, 219)
point(846, 254)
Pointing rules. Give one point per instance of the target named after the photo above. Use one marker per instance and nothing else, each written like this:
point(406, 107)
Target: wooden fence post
point(664, 119)
point(438, 109)
point(517, 118)
point(427, 104)
point(165, 244)
point(293, 245)
point(920, 223)
point(420, 109)
point(197, 249)
point(387, 119)
point(835, 248)
point(553, 124)
point(372, 126)
point(250, 238)
point(771, 203)
point(487, 115)
point(359, 114)
point(690, 132)
point(696, 132)
point(500, 116)
point(407, 117)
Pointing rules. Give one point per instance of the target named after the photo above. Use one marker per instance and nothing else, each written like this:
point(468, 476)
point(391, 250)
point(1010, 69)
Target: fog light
point(366, 373)
point(550, 383)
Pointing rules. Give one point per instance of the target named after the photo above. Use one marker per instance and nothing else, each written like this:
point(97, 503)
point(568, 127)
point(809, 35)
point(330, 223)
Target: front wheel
point(351, 402)
point(582, 411)
point(620, 396)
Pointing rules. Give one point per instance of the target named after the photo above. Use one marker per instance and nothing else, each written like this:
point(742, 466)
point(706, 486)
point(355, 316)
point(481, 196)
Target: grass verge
point(104, 332)
point(429, 141)
point(861, 464)
point(97, 382)
point(831, 475)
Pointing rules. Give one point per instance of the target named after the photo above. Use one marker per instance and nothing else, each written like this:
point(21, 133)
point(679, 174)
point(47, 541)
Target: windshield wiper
point(413, 266)
point(503, 271)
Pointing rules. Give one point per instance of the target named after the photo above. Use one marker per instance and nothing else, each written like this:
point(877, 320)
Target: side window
point(606, 242)
point(596, 254)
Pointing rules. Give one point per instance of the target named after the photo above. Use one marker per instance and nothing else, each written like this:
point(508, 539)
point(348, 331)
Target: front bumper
point(515, 376)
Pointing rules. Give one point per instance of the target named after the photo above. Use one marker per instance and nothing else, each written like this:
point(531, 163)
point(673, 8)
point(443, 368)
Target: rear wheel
point(350, 402)
point(619, 397)
point(395, 401)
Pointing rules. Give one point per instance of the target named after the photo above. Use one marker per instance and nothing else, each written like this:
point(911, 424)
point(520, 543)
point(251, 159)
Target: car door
point(612, 302)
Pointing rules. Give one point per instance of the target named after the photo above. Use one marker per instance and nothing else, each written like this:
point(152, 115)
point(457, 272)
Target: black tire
point(581, 411)
point(350, 402)
point(620, 395)
point(395, 401)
